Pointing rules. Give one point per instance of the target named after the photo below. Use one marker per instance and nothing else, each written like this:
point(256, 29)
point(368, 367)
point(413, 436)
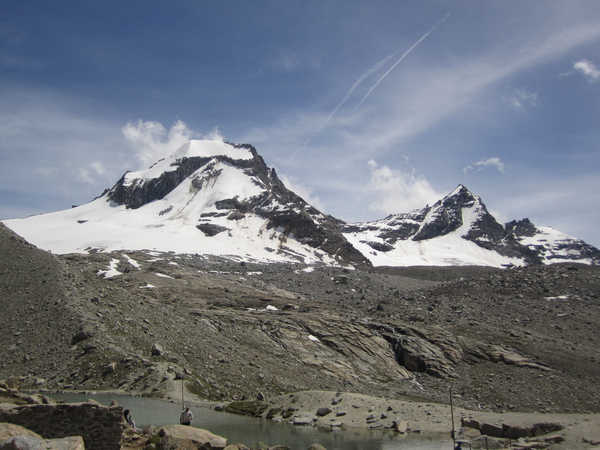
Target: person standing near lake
point(129, 419)
point(186, 417)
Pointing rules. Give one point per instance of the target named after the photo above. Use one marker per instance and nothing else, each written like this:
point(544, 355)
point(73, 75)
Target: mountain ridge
point(219, 198)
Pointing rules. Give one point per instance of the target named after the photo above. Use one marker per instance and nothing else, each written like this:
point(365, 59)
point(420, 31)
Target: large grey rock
point(302, 420)
point(67, 443)
point(198, 436)
point(9, 430)
point(323, 411)
point(157, 350)
point(23, 443)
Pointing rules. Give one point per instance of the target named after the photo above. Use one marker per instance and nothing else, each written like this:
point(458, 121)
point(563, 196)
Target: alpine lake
point(251, 431)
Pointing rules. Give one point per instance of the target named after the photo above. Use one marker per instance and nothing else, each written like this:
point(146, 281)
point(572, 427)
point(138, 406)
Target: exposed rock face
point(464, 214)
point(100, 426)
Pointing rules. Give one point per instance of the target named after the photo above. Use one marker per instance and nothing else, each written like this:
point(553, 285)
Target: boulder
point(246, 407)
point(400, 426)
point(23, 443)
point(316, 447)
point(28, 442)
point(323, 411)
point(9, 430)
point(302, 420)
point(157, 350)
point(67, 443)
point(197, 436)
point(81, 335)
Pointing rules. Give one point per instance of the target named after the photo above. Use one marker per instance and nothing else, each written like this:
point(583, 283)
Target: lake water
point(251, 430)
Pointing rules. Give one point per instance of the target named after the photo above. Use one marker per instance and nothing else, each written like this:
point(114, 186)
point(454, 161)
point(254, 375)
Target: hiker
point(186, 417)
point(129, 419)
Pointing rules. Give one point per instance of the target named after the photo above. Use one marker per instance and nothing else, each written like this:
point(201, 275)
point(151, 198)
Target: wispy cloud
point(494, 162)
point(588, 69)
point(522, 98)
point(396, 191)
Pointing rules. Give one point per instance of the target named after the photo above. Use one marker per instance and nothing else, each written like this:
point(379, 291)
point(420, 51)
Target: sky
point(365, 108)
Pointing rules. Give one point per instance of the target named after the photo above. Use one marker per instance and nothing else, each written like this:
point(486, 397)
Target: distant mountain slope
point(209, 197)
point(459, 230)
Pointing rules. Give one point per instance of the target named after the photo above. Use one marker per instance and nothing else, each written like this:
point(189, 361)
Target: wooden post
point(452, 415)
point(182, 402)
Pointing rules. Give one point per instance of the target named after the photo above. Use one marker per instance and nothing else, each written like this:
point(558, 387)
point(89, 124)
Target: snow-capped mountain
point(459, 230)
point(209, 197)
point(215, 198)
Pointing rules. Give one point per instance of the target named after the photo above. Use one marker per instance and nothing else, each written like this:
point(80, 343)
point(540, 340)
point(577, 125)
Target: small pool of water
point(251, 430)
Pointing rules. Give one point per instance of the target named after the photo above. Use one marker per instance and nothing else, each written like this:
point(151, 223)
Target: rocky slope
point(140, 321)
point(459, 230)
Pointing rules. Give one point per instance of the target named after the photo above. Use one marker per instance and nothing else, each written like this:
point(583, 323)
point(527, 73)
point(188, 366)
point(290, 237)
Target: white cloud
point(397, 191)
point(85, 176)
point(151, 141)
point(98, 167)
point(214, 134)
point(45, 171)
point(522, 98)
point(480, 165)
point(588, 69)
point(303, 191)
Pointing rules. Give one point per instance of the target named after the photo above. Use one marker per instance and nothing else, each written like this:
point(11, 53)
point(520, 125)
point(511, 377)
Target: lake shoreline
point(347, 412)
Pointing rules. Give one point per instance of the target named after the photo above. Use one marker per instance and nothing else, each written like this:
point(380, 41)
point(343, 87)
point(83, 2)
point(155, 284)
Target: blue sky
point(365, 108)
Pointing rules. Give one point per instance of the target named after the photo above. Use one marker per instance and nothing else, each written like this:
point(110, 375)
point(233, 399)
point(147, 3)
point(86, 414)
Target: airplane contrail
point(404, 55)
point(357, 83)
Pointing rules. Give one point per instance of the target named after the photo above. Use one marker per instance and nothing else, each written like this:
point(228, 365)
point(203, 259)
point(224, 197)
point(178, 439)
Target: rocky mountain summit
point(281, 208)
point(458, 229)
point(208, 197)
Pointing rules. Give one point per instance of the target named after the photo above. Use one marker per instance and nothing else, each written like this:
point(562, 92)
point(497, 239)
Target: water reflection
point(251, 431)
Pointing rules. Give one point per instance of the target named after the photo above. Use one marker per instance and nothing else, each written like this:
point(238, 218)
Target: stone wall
point(100, 426)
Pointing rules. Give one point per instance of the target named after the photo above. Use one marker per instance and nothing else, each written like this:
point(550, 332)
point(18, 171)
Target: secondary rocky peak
point(446, 215)
point(458, 229)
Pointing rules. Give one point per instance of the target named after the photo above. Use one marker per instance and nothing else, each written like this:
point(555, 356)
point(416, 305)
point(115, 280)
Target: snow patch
point(111, 271)
point(163, 275)
point(131, 261)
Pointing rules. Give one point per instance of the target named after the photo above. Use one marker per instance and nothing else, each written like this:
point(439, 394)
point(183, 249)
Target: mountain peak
point(207, 148)
point(209, 197)
point(461, 191)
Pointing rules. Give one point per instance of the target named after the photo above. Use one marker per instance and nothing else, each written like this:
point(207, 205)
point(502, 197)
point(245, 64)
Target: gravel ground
point(232, 330)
